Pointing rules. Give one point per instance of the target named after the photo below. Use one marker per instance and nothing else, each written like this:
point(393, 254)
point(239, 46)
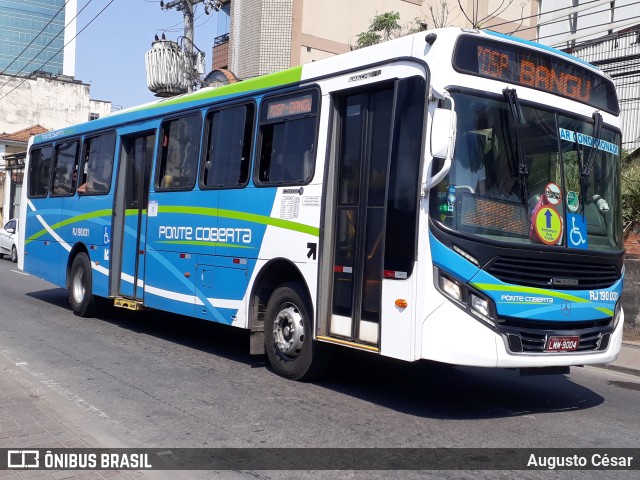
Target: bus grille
point(555, 275)
point(531, 337)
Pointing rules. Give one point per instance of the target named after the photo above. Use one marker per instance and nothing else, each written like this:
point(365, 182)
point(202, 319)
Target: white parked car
point(8, 239)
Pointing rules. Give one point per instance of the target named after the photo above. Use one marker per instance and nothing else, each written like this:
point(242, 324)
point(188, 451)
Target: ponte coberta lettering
point(205, 234)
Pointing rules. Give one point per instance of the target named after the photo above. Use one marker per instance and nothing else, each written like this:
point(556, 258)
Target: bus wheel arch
point(282, 319)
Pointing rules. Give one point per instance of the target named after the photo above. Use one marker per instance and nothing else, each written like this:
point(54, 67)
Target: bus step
point(128, 304)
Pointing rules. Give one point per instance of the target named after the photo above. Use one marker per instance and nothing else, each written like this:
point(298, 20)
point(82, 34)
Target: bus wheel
point(287, 332)
point(80, 295)
point(14, 254)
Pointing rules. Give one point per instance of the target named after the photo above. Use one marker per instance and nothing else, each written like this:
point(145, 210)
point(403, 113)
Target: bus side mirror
point(443, 140)
point(443, 133)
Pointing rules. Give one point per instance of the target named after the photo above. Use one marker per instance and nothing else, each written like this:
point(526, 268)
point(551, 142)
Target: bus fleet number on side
point(80, 232)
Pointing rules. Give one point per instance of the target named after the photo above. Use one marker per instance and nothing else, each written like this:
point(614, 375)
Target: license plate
point(562, 344)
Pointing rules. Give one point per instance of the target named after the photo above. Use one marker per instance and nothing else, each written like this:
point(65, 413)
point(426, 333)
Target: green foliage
point(630, 191)
point(368, 38)
point(387, 23)
point(384, 27)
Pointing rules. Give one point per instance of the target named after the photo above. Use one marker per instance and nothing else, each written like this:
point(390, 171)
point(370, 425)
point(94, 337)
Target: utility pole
point(187, 7)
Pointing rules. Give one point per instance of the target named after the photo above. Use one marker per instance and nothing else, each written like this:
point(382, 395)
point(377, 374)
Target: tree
point(383, 27)
point(386, 26)
point(439, 14)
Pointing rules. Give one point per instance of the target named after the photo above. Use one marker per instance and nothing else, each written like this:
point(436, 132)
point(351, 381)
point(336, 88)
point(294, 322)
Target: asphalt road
point(151, 379)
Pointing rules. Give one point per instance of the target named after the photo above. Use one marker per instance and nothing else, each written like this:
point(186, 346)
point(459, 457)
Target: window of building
point(97, 165)
point(65, 171)
point(39, 169)
point(179, 153)
point(288, 135)
point(94, 116)
point(229, 142)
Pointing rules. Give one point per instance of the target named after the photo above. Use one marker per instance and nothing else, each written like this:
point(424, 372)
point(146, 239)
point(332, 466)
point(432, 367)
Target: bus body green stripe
point(249, 217)
point(214, 212)
point(539, 291)
point(291, 75)
point(69, 221)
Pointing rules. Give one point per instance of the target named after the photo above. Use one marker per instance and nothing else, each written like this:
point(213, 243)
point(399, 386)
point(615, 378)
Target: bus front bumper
point(450, 335)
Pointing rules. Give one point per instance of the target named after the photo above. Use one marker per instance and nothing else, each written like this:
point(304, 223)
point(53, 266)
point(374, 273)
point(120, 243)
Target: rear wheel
point(288, 334)
point(80, 286)
point(14, 254)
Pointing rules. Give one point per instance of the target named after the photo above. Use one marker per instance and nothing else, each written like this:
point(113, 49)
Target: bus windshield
point(525, 175)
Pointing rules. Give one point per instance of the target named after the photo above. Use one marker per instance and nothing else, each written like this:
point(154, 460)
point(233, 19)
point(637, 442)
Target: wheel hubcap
point(78, 286)
point(288, 330)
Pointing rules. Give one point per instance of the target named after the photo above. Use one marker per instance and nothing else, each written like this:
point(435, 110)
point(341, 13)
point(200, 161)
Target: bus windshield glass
point(532, 177)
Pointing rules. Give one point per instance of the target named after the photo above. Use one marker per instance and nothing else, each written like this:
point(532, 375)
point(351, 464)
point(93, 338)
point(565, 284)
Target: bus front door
point(130, 215)
point(364, 137)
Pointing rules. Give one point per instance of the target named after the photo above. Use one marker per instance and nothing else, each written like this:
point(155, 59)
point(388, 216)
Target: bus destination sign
point(530, 68)
point(289, 106)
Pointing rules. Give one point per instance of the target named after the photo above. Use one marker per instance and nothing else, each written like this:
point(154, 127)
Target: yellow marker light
point(401, 303)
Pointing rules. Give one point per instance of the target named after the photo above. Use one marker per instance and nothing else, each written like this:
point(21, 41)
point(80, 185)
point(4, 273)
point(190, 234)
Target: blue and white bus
point(452, 195)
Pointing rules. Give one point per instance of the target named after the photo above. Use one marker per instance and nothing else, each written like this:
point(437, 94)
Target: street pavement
point(28, 419)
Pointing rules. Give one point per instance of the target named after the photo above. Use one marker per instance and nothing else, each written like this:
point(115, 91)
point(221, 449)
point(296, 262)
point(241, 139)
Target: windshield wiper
point(516, 114)
point(586, 166)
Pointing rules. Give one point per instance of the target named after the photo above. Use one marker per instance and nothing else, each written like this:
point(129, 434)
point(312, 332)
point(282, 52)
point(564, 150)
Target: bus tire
point(14, 254)
point(288, 335)
point(80, 286)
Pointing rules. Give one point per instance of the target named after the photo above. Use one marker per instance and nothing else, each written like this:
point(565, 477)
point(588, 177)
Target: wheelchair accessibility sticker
point(576, 231)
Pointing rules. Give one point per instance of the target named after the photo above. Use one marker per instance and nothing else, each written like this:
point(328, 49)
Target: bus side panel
point(37, 259)
point(170, 281)
point(222, 284)
point(40, 244)
point(243, 220)
point(86, 220)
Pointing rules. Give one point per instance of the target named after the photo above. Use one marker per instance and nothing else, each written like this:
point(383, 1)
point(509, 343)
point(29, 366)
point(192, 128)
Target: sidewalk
point(629, 359)
point(28, 420)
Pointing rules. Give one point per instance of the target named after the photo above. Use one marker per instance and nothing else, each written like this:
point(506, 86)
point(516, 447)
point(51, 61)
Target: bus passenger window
point(97, 166)
point(65, 172)
point(288, 138)
point(180, 147)
point(39, 169)
point(228, 151)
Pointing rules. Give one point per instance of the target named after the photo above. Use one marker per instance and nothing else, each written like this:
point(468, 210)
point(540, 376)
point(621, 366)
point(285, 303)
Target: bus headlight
point(466, 297)
point(451, 288)
point(617, 313)
point(480, 305)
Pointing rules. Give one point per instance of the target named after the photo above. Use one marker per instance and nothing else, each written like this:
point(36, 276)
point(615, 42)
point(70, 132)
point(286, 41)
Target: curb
point(630, 346)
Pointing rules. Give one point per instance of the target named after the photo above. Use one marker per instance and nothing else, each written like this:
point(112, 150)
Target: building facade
point(607, 35)
point(270, 35)
point(53, 102)
point(37, 35)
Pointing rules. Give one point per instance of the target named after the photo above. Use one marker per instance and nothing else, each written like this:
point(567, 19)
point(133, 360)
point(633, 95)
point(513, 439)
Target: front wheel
point(80, 286)
point(288, 334)
point(14, 254)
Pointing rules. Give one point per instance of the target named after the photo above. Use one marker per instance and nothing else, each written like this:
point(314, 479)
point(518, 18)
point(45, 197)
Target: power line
point(45, 47)
point(537, 15)
point(74, 37)
point(551, 22)
point(34, 39)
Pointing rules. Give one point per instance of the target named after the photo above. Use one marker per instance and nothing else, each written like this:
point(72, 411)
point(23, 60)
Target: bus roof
point(290, 76)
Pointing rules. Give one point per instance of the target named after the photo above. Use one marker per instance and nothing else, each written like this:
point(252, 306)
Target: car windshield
point(526, 175)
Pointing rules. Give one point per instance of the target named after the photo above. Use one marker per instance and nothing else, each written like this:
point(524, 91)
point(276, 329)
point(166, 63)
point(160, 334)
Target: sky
point(110, 52)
